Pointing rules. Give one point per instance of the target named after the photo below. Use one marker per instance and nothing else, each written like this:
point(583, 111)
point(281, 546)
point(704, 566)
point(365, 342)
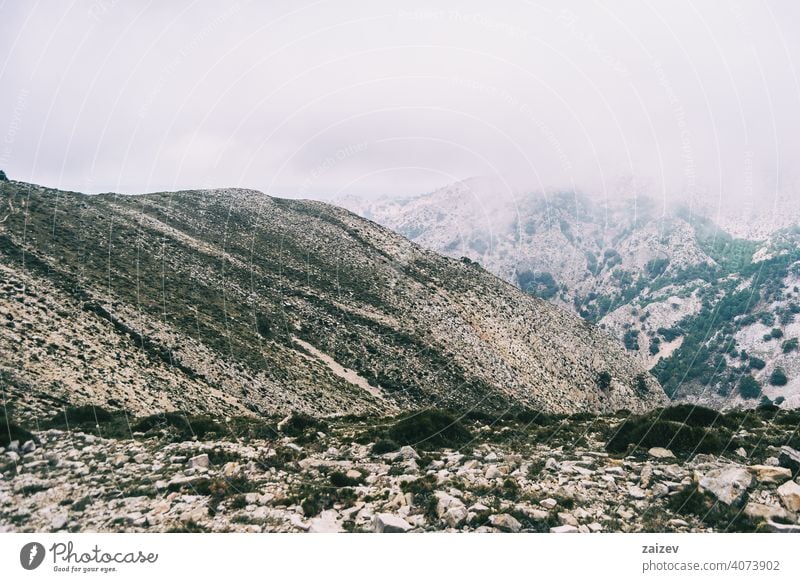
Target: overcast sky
point(320, 99)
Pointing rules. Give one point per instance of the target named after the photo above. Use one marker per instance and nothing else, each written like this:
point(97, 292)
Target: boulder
point(199, 462)
point(789, 493)
point(564, 529)
point(661, 453)
point(770, 474)
point(388, 523)
point(505, 522)
point(762, 511)
point(789, 458)
point(327, 522)
point(455, 516)
point(408, 453)
point(728, 484)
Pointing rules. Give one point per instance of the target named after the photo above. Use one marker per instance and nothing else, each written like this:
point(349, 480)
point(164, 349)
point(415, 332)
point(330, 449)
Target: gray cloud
point(320, 99)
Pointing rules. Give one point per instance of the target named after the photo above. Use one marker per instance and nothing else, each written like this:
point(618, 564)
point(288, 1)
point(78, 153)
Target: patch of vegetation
point(422, 491)
point(384, 446)
point(429, 429)
point(540, 284)
point(711, 512)
point(180, 426)
point(11, 431)
point(649, 431)
point(778, 377)
point(749, 387)
point(603, 380)
point(303, 427)
point(340, 479)
point(315, 497)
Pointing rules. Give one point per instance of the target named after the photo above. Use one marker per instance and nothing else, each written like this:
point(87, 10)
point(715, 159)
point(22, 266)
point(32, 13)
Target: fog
point(324, 99)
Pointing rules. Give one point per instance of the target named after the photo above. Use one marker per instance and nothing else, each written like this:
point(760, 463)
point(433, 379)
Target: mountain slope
point(691, 301)
point(232, 302)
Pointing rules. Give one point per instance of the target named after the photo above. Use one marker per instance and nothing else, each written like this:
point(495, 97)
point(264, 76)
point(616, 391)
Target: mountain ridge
point(204, 301)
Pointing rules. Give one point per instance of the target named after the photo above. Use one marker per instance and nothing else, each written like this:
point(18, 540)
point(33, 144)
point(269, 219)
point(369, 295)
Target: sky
point(323, 99)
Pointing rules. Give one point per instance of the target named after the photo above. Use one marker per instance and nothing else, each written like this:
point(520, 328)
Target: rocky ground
point(509, 476)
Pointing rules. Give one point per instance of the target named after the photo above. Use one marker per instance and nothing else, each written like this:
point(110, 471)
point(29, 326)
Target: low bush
point(711, 512)
point(74, 416)
point(694, 416)
point(179, 425)
point(384, 446)
point(430, 429)
point(303, 427)
point(340, 479)
point(646, 432)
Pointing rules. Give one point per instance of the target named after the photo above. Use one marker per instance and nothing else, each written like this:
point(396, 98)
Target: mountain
point(231, 302)
point(712, 315)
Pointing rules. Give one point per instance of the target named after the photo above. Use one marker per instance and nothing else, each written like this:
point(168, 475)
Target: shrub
point(384, 446)
point(694, 415)
point(430, 429)
point(646, 432)
point(180, 425)
point(790, 345)
point(757, 363)
point(303, 426)
point(749, 388)
point(339, 479)
point(719, 516)
point(3, 177)
point(603, 380)
point(778, 377)
point(78, 415)
point(10, 431)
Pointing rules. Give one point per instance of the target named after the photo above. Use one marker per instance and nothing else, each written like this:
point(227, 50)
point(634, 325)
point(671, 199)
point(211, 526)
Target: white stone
point(661, 453)
point(548, 503)
point(770, 473)
point(564, 529)
point(327, 522)
point(408, 453)
point(789, 493)
point(505, 522)
point(199, 462)
point(388, 523)
point(728, 484)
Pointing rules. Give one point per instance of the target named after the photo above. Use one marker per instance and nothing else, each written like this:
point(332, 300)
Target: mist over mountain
point(704, 295)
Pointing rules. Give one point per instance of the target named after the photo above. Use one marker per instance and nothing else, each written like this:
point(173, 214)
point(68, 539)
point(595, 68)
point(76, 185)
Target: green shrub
point(789, 345)
point(603, 380)
point(303, 427)
point(719, 516)
point(694, 415)
point(749, 387)
point(384, 446)
point(340, 479)
point(645, 432)
point(430, 429)
point(10, 431)
point(778, 377)
point(74, 416)
point(179, 425)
